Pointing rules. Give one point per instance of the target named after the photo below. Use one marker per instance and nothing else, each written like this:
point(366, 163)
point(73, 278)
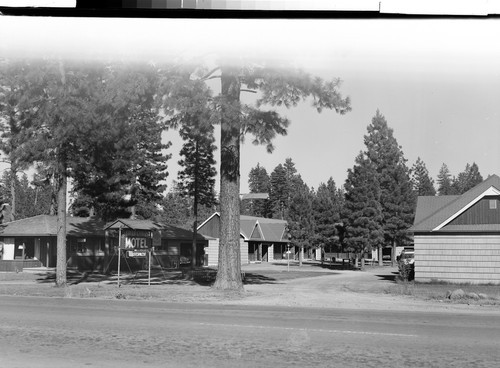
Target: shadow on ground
point(178, 277)
point(325, 265)
point(258, 279)
point(393, 277)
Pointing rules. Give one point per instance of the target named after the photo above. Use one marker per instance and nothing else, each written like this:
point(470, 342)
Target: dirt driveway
point(340, 289)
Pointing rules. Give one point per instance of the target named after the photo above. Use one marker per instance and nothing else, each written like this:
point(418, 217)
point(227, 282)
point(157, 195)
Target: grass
point(439, 291)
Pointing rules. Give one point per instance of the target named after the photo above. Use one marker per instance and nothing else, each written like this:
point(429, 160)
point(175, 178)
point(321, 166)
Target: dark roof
point(268, 230)
point(173, 232)
point(46, 225)
point(433, 212)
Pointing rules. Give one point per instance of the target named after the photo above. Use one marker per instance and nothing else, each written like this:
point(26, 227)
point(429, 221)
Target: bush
point(406, 270)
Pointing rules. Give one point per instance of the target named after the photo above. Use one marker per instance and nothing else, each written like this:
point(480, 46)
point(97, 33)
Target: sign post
point(149, 266)
point(119, 251)
point(288, 258)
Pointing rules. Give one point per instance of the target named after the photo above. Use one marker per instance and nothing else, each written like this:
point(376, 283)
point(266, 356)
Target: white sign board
point(135, 243)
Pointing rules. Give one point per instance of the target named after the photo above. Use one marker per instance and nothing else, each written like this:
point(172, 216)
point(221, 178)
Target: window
point(493, 204)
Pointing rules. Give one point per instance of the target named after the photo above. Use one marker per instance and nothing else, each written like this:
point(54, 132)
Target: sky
point(436, 81)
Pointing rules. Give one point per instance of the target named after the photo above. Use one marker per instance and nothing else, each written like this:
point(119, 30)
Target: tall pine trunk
point(229, 271)
point(61, 229)
point(393, 253)
point(195, 205)
point(13, 191)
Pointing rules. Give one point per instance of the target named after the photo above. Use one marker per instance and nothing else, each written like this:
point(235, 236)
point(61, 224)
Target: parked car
point(407, 256)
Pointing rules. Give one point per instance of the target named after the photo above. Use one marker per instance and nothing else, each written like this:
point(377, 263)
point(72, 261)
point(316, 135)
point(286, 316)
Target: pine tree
point(122, 165)
point(279, 192)
point(197, 179)
point(49, 130)
point(258, 182)
point(467, 179)
point(444, 181)
point(362, 211)
point(176, 209)
point(300, 216)
point(423, 185)
point(396, 195)
point(327, 207)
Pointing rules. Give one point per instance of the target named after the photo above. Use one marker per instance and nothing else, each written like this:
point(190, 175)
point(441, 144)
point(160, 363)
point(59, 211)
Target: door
point(37, 248)
point(8, 248)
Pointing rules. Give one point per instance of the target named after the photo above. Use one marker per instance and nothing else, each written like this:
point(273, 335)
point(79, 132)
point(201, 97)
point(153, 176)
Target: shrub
point(406, 270)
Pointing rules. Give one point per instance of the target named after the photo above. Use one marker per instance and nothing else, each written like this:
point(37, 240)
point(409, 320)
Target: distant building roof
point(259, 228)
point(255, 196)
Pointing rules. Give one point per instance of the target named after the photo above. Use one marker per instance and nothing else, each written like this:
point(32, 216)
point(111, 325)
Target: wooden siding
point(212, 252)
point(244, 251)
point(480, 213)
point(458, 259)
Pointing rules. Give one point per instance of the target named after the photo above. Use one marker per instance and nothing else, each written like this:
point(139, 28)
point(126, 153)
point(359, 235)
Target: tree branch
point(248, 90)
point(208, 75)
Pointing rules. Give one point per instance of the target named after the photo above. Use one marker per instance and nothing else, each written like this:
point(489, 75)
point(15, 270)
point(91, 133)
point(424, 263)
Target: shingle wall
point(458, 259)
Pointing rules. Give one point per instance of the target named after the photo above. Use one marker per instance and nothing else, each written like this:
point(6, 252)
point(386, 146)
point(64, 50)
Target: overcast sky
point(437, 81)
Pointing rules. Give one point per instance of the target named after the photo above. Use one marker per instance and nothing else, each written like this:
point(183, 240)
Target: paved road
point(51, 332)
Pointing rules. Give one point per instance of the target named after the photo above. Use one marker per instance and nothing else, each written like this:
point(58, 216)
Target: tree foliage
point(300, 216)
point(122, 164)
point(177, 209)
point(423, 185)
point(197, 178)
point(396, 195)
point(32, 198)
point(467, 179)
point(444, 181)
point(362, 213)
point(95, 123)
point(258, 182)
point(327, 207)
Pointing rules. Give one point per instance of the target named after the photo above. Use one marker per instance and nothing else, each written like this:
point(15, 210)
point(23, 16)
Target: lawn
point(473, 294)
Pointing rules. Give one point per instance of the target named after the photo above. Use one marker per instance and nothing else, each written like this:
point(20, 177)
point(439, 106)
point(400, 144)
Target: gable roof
point(434, 213)
point(133, 224)
point(270, 230)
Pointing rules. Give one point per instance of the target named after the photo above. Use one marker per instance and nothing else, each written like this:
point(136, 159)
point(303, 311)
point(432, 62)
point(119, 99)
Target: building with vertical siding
point(261, 239)
point(457, 237)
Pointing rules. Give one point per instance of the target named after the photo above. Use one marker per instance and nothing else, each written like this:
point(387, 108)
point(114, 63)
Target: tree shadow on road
point(325, 265)
point(392, 277)
point(257, 279)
